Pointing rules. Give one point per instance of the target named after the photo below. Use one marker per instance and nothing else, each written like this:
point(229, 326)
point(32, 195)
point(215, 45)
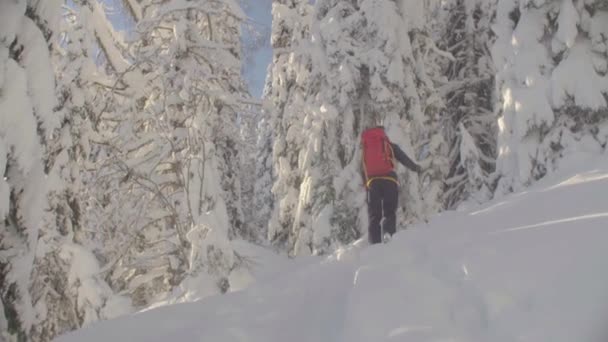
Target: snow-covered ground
point(532, 266)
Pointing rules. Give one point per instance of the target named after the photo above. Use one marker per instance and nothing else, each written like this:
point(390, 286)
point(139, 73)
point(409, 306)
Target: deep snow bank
point(532, 266)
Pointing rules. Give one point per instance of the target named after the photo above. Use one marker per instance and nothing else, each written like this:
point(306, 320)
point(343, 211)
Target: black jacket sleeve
point(404, 159)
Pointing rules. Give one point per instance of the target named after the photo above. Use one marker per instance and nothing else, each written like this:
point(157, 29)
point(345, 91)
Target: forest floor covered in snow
point(532, 266)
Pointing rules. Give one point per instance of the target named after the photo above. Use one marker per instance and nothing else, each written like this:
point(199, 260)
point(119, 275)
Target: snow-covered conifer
point(258, 176)
point(27, 126)
point(464, 28)
point(551, 61)
point(285, 93)
point(365, 62)
point(68, 289)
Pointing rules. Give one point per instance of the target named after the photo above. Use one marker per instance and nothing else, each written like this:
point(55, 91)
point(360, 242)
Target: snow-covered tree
point(330, 197)
point(287, 85)
point(175, 168)
point(50, 280)
point(464, 28)
point(363, 63)
point(27, 125)
point(248, 125)
point(404, 73)
point(552, 63)
point(257, 176)
point(67, 288)
point(256, 171)
point(263, 203)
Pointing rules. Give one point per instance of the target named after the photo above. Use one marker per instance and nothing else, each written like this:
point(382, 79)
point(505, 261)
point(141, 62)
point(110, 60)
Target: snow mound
point(527, 267)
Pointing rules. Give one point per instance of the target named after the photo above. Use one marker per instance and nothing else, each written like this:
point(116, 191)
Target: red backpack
point(377, 152)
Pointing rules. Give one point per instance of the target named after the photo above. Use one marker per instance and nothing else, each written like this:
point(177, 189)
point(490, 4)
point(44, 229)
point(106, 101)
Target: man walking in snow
point(381, 181)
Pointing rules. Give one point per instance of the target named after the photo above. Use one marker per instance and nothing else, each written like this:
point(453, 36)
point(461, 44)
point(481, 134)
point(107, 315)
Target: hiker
point(381, 181)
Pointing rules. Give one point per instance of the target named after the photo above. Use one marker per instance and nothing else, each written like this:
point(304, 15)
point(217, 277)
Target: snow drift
point(527, 267)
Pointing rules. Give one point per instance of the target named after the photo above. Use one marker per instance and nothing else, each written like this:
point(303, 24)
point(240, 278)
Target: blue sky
point(259, 12)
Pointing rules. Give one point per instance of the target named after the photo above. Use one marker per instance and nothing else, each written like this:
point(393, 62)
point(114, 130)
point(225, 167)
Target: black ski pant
point(382, 200)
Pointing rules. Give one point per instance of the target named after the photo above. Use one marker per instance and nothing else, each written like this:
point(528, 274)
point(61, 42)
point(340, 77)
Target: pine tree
point(331, 197)
point(247, 177)
point(465, 31)
point(368, 63)
point(257, 175)
point(27, 126)
point(285, 94)
point(403, 90)
point(263, 204)
point(256, 171)
point(552, 60)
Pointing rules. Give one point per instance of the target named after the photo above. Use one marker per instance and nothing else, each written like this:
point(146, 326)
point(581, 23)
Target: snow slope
point(528, 267)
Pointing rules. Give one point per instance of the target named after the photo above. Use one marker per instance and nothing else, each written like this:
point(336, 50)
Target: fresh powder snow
point(527, 267)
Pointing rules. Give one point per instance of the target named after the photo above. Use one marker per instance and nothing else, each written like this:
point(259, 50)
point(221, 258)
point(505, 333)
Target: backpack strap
point(388, 151)
point(363, 161)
